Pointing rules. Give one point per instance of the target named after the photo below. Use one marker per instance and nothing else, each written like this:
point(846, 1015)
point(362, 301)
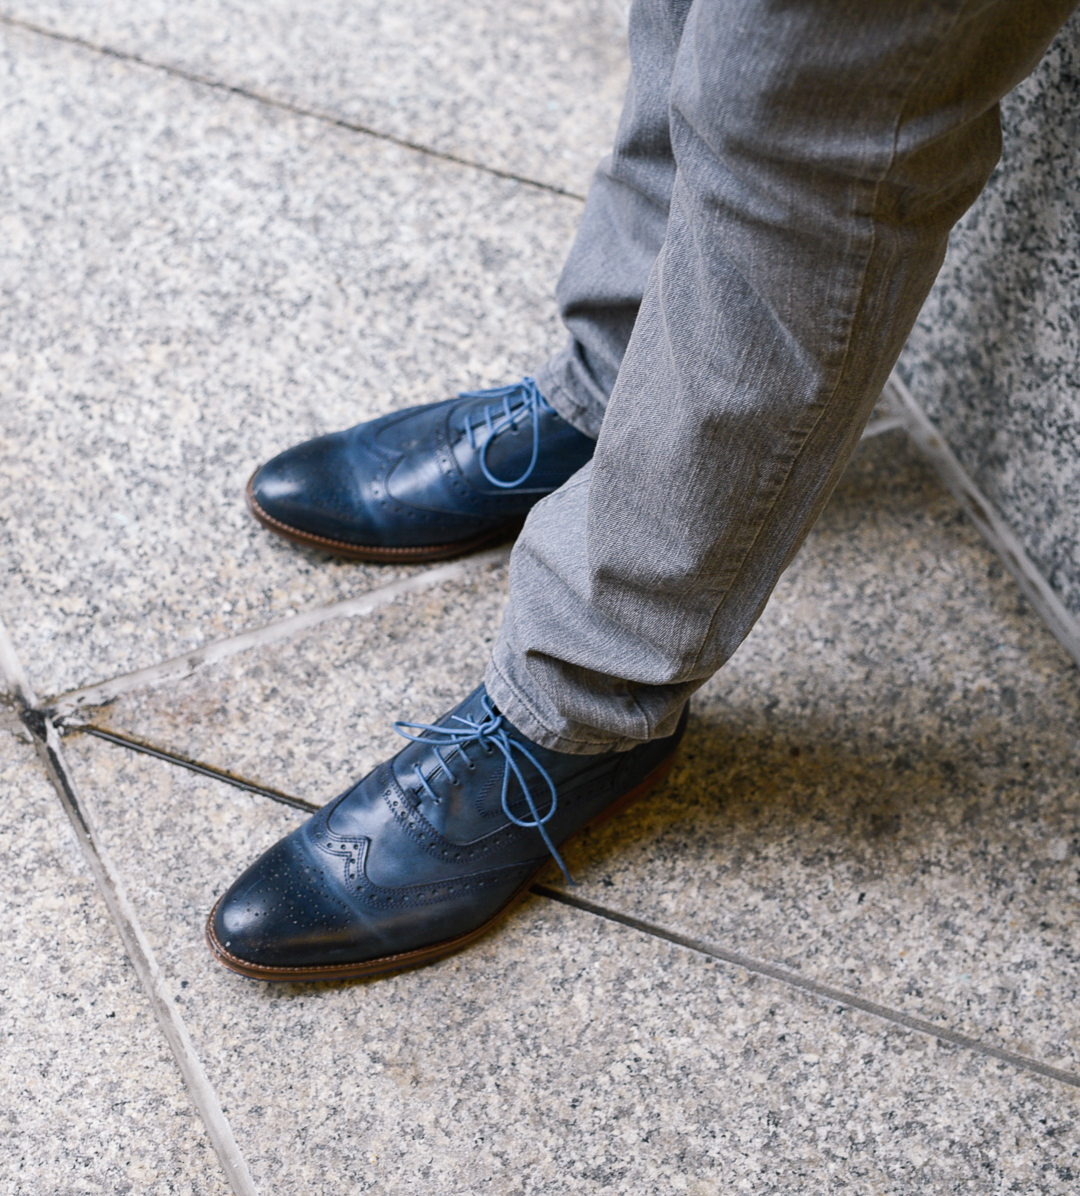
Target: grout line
point(206, 770)
point(791, 979)
point(140, 950)
point(1001, 537)
point(141, 955)
point(270, 101)
point(879, 427)
point(620, 10)
point(794, 980)
point(180, 667)
point(50, 750)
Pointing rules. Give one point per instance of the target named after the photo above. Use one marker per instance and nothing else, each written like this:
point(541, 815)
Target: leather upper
point(386, 868)
point(413, 478)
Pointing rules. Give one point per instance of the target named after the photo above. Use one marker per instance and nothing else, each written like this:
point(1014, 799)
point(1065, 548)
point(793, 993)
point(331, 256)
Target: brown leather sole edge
point(423, 955)
point(371, 552)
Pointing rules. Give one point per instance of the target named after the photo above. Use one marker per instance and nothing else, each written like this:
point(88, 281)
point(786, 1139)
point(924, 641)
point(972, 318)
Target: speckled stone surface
point(995, 355)
point(191, 283)
point(312, 715)
point(560, 1055)
point(533, 88)
point(879, 790)
point(878, 793)
point(92, 1100)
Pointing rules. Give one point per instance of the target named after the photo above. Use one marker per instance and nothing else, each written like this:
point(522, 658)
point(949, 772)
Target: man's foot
point(425, 853)
point(422, 484)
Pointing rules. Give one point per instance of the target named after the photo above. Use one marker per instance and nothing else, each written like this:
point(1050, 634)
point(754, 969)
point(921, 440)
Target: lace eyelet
point(492, 737)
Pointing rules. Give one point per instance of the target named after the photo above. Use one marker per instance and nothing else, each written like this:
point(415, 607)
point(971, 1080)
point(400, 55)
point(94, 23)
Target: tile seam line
point(813, 987)
point(995, 530)
point(205, 770)
point(289, 106)
point(47, 743)
point(177, 668)
point(139, 951)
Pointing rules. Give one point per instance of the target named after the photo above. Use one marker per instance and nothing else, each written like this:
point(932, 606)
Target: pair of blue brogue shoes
point(435, 845)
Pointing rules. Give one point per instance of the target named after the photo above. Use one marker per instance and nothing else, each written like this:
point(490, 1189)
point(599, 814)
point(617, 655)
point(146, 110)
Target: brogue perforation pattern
point(353, 851)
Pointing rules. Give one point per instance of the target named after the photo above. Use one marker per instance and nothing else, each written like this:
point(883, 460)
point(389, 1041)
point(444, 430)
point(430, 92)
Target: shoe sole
point(372, 552)
point(423, 955)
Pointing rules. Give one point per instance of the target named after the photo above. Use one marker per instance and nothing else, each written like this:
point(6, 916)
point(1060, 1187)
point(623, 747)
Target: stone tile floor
point(836, 952)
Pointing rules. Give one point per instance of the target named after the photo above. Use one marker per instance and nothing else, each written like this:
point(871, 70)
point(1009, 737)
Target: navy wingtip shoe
point(425, 854)
point(423, 484)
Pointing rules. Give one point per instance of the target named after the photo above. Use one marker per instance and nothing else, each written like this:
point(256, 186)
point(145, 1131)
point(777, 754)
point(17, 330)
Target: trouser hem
point(574, 741)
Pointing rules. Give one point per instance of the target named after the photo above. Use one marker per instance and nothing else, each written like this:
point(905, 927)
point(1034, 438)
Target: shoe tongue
point(468, 800)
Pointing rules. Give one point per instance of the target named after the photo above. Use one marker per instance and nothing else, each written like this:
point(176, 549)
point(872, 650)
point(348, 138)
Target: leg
point(823, 152)
point(622, 227)
point(821, 157)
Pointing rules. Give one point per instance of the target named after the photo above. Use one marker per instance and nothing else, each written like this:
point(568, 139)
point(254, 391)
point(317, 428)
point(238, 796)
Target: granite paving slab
point(532, 88)
point(561, 1054)
point(93, 1101)
point(879, 790)
point(310, 716)
point(192, 282)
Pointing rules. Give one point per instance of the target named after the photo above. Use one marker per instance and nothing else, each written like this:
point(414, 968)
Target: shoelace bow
point(502, 415)
point(490, 733)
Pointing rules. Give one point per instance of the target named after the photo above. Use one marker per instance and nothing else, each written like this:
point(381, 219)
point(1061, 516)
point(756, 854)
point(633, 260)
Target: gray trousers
point(751, 259)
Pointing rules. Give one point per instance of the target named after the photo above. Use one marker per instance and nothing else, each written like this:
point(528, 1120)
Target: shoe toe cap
point(321, 488)
point(286, 910)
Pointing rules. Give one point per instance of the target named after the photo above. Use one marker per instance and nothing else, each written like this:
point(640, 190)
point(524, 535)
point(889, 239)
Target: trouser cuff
point(522, 710)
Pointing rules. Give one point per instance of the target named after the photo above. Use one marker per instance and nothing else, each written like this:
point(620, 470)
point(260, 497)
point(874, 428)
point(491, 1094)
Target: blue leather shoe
point(422, 484)
point(425, 853)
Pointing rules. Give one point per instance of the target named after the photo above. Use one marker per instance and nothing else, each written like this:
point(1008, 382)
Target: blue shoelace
point(490, 733)
point(499, 416)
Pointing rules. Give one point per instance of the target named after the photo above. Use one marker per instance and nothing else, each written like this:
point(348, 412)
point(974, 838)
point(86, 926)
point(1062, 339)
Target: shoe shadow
point(801, 802)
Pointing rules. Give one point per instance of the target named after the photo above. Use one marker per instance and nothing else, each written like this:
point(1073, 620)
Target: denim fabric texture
point(751, 259)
